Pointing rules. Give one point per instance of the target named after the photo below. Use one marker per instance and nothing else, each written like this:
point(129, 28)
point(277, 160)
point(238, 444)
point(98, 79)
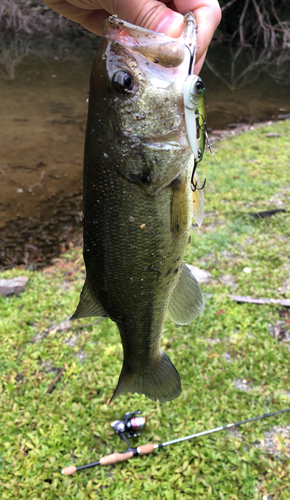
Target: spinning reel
point(131, 425)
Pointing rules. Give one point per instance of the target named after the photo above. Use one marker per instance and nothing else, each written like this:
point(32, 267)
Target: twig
point(55, 380)
point(275, 12)
point(267, 213)
point(197, 469)
point(209, 351)
point(242, 40)
point(252, 300)
point(218, 75)
point(38, 183)
point(227, 5)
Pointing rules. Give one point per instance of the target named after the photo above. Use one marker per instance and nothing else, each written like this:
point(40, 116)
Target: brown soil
point(42, 130)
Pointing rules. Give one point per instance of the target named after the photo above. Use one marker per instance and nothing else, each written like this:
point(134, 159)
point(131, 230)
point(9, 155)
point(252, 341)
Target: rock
point(236, 125)
point(273, 134)
point(283, 116)
point(228, 280)
point(201, 275)
point(14, 286)
point(242, 385)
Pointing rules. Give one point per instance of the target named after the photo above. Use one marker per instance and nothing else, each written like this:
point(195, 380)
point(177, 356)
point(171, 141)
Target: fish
point(138, 196)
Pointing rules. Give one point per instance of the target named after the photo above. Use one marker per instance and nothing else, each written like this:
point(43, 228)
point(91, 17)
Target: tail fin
point(162, 383)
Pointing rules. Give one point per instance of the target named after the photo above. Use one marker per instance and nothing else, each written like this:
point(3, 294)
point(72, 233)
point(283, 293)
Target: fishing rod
point(132, 425)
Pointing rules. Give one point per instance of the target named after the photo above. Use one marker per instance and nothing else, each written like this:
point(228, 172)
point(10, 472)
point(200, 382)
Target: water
point(44, 89)
point(43, 111)
point(246, 87)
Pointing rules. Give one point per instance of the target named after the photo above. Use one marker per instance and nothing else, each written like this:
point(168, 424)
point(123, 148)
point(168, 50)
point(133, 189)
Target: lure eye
point(123, 82)
point(199, 86)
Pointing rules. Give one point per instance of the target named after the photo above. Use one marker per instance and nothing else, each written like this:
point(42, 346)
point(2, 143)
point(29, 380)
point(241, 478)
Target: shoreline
point(55, 226)
point(234, 129)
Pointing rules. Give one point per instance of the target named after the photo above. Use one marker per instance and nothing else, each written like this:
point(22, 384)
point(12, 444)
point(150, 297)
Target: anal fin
point(88, 305)
point(186, 302)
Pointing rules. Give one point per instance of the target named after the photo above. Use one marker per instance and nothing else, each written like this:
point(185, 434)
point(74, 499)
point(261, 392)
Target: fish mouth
point(157, 47)
point(164, 142)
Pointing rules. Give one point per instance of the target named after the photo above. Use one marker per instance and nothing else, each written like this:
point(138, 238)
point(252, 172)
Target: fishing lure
point(195, 117)
point(194, 96)
point(195, 113)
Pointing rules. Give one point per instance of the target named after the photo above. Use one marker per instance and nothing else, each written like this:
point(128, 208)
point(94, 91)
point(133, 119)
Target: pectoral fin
point(197, 201)
point(88, 305)
point(186, 301)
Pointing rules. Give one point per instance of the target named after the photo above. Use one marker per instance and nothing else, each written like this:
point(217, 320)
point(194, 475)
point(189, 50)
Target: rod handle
point(69, 470)
point(115, 458)
point(145, 449)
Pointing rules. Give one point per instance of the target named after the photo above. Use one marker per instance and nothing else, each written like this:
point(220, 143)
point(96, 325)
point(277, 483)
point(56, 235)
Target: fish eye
point(199, 86)
point(123, 81)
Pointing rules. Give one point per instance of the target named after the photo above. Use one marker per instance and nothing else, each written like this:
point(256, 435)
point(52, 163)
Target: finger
point(158, 17)
point(198, 66)
point(81, 12)
point(150, 14)
point(94, 20)
point(208, 16)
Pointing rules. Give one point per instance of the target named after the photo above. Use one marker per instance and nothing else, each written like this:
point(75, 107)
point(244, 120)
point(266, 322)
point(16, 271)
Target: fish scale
point(129, 254)
point(138, 201)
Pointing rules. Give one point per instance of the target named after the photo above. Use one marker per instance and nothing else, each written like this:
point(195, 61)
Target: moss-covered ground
point(231, 367)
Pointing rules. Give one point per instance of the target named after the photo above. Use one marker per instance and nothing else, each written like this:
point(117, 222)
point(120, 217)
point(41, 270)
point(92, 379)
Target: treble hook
point(193, 184)
point(205, 131)
point(203, 128)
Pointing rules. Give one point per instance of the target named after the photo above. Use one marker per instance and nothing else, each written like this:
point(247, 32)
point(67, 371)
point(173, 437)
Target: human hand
point(165, 16)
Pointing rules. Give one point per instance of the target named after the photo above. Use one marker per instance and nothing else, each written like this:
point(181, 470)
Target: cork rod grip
point(69, 470)
point(145, 449)
point(115, 458)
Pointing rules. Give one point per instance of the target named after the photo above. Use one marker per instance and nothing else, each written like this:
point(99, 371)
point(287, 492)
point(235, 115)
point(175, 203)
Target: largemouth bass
point(138, 199)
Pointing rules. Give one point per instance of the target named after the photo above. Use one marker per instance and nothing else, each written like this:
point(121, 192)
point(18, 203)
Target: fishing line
point(229, 179)
point(191, 60)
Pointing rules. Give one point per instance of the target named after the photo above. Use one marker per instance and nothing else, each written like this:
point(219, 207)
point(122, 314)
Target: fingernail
point(171, 25)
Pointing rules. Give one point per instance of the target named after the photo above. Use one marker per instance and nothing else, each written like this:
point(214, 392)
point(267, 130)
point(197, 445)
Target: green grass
point(42, 433)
